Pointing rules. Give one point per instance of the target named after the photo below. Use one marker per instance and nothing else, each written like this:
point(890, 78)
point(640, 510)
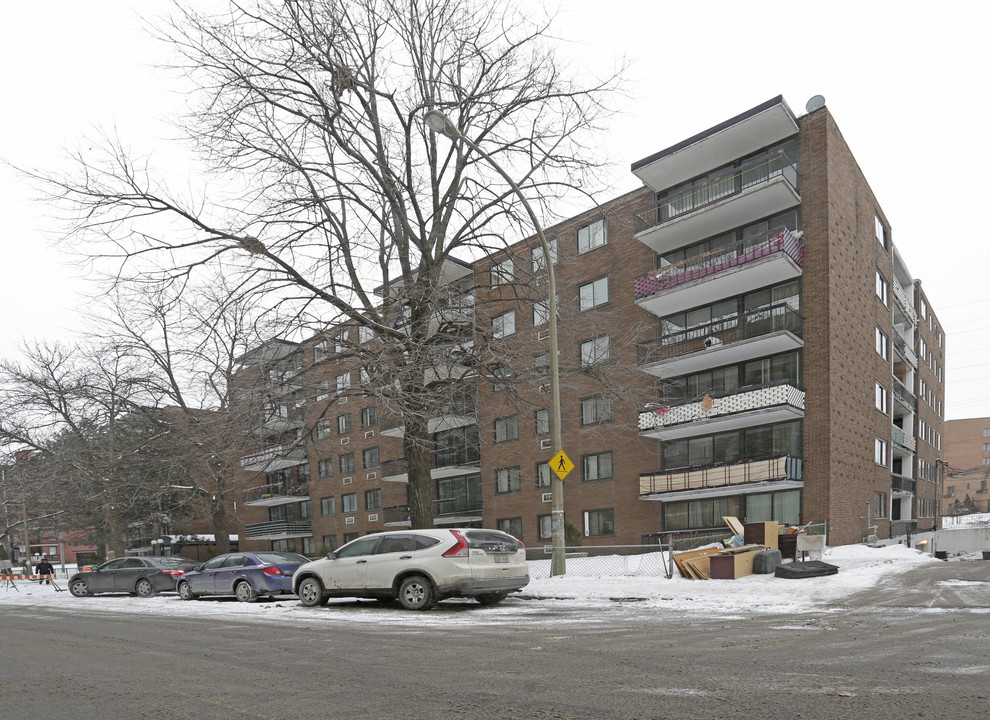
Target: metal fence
point(603, 561)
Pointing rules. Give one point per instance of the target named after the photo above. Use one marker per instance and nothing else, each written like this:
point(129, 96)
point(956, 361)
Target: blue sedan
point(245, 575)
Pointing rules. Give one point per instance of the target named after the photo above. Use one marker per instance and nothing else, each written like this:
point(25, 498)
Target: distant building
point(967, 454)
point(740, 337)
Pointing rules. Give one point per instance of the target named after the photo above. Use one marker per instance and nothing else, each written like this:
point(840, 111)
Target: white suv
point(418, 568)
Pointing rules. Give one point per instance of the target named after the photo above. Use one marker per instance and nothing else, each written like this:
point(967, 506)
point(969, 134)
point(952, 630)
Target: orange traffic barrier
point(9, 580)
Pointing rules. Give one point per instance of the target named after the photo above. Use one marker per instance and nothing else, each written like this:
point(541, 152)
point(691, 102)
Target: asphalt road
point(916, 646)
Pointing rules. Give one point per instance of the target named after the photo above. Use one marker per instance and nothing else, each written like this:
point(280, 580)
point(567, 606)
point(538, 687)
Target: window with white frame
point(881, 231)
point(595, 351)
point(883, 289)
point(323, 429)
point(510, 526)
point(593, 294)
point(595, 410)
point(502, 273)
point(342, 381)
point(364, 377)
point(322, 390)
point(883, 345)
point(541, 421)
point(880, 452)
point(542, 475)
point(596, 467)
point(344, 424)
point(369, 416)
point(541, 313)
point(365, 334)
point(348, 503)
point(599, 523)
point(371, 457)
point(347, 463)
point(507, 480)
point(326, 467)
point(373, 499)
point(591, 236)
point(539, 262)
point(541, 363)
point(340, 342)
point(506, 428)
point(881, 398)
point(320, 351)
point(544, 526)
point(880, 503)
point(501, 379)
point(328, 506)
point(504, 325)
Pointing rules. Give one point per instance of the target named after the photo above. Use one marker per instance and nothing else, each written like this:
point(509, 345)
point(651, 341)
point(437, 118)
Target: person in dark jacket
point(44, 568)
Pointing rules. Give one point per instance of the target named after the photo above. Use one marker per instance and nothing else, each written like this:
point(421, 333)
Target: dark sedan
point(142, 576)
point(245, 575)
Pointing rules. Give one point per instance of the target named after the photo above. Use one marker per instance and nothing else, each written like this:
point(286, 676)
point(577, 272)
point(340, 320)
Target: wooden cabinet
point(735, 565)
point(761, 533)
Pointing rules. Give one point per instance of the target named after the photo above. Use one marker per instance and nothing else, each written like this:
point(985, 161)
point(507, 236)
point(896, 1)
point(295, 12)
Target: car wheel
point(185, 592)
point(244, 592)
point(79, 588)
point(416, 593)
point(144, 588)
point(311, 592)
point(491, 598)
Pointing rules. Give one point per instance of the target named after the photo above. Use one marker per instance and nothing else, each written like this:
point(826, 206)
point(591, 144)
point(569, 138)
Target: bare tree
point(329, 196)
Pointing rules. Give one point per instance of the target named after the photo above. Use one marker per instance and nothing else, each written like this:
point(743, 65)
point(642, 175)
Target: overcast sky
point(907, 89)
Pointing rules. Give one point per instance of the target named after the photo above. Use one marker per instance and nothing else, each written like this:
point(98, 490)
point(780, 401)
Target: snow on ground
point(860, 567)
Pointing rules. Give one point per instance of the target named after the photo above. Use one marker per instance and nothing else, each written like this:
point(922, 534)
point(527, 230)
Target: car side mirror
point(331, 556)
point(197, 568)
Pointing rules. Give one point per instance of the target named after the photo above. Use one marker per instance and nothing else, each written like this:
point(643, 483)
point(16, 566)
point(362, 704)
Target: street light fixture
point(442, 125)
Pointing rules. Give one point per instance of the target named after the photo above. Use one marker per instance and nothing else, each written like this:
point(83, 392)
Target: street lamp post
point(441, 124)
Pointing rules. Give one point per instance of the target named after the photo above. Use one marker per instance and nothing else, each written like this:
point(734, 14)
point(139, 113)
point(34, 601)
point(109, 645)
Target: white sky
point(906, 88)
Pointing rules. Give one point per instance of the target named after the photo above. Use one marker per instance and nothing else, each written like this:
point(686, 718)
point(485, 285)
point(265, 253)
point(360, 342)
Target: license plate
point(501, 557)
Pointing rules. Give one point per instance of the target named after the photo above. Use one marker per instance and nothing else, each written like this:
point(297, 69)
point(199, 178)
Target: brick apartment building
point(967, 456)
point(738, 337)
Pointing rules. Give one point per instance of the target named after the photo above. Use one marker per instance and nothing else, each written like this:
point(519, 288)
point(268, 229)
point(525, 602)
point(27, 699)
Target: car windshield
point(281, 557)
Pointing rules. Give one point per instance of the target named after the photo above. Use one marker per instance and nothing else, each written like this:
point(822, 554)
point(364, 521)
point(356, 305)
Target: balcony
point(276, 494)
point(905, 396)
point(902, 348)
point(448, 464)
point(276, 457)
point(277, 530)
point(719, 476)
point(458, 417)
point(904, 305)
point(760, 188)
point(451, 511)
point(719, 412)
point(902, 438)
point(753, 334)
point(746, 133)
point(725, 272)
point(899, 483)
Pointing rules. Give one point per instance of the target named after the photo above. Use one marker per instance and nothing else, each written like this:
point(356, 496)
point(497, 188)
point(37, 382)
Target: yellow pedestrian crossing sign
point(561, 464)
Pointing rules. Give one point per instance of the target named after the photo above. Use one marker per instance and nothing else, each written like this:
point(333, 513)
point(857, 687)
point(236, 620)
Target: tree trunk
point(218, 517)
point(419, 464)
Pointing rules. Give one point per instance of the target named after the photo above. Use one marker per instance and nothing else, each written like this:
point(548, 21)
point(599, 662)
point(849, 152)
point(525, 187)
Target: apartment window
point(328, 506)
point(326, 467)
point(881, 398)
point(330, 542)
point(347, 463)
point(595, 351)
point(541, 364)
point(591, 236)
point(350, 536)
point(343, 381)
point(365, 334)
point(598, 523)
point(504, 325)
point(511, 526)
point(597, 409)
point(544, 527)
point(501, 273)
point(506, 428)
point(593, 294)
point(323, 429)
point(369, 416)
point(303, 473)
point(924, 309)
point(371, 458)
point(881, 231)
point(597, 467)
point(364, 377)
point(322, 390)
point(373, 499)
point(986, 461)
point(305, 509)
point(542, 475)
point(502, 379)
point(883, 289)
point(541, 313)
point(320, 351)
point(339, 342)
point(541, 421)
point(880, 452)
point(882, 345)
point(986, 447)
point(880, 501)
point(507, 480)
point(308, 546)
point(538, 259)
point(348, 503)
point(344, 424)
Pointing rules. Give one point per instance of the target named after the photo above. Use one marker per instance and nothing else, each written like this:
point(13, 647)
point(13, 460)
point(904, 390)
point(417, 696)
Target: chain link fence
point(604, 561)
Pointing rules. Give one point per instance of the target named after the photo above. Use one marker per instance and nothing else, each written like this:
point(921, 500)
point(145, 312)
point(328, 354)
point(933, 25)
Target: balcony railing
point(711, 263)
point(273, 493)
point(449, 507)
point(770, 402)
point(904, 395)
point(277, 530)
point(276, 457)
point(905, 304)
point(907, 352)
point(755, 172)
point(722, 474)
point(724, 331)
point(901, 484)
point(902, 438)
